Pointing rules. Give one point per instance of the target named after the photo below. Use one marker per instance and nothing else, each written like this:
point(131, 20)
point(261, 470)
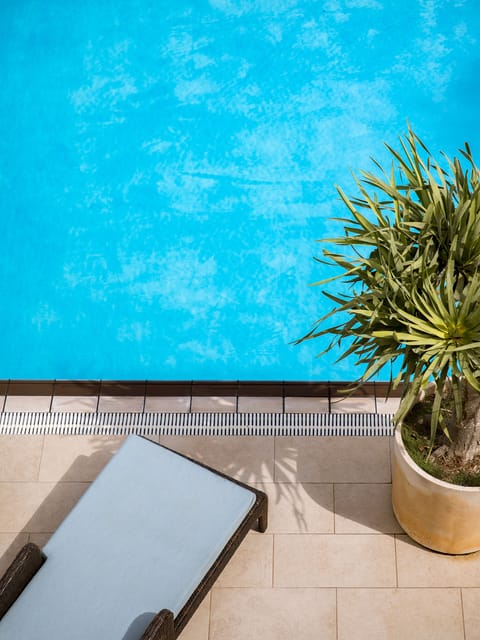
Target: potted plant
point(410, 255)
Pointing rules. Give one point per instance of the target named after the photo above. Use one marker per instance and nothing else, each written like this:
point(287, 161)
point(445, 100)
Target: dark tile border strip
point(149, 388)
point(168, 388)
point(30, 387)
point(77, 388)
point(126, 388)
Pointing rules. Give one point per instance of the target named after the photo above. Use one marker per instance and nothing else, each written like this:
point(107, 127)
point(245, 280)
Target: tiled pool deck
point(333, 564)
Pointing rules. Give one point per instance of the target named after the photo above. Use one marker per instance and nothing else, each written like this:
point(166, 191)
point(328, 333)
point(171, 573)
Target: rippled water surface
point(166, 168)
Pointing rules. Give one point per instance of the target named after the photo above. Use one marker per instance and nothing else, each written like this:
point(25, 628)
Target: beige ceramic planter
point(437, 514)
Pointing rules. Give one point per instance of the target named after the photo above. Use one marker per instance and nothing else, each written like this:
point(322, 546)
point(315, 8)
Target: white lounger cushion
point(138, 541)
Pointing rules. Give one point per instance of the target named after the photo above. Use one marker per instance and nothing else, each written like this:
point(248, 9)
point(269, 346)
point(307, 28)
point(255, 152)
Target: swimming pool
point(166, 168)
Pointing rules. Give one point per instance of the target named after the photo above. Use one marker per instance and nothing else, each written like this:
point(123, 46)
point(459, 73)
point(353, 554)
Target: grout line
point(209, 628)
point(40, 459)
point(396, 559)
point(334, 508)
point(273, 562)
point(336, 613)
point(52, 396)
point(463, 614)
point(343, 587)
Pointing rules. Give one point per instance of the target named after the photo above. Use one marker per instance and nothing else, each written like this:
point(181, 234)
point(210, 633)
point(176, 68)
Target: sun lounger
point(152, 533)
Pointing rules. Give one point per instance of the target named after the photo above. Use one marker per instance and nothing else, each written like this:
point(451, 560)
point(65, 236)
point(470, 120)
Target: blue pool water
point(167, 166)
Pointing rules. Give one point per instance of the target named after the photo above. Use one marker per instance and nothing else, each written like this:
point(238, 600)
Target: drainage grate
point(197, 424)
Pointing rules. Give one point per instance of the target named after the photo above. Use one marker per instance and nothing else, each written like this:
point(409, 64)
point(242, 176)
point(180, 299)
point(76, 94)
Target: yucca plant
point(414, 282)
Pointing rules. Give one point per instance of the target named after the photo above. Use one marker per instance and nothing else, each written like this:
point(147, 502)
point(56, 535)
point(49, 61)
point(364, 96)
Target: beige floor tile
point(20, 458)
point(273, 614)
point(76, 458)
point(36, 506)
point(247, 458)
point(306, 405)
point(299, 508)
point(471, 613)
point(40, 539)
point(120, 404)
point(334, 561)
point(84, 404)
point(387, 405)
point(332, 459)
point(251, 566)
point(364, 508)
point(199, 624)
point(28, 403)
point(167, 404)
point(398, 614)
point(353, 405)
point(250, 404)
point(152, 438)
point(10, 545)
point(420, 567)
point(214, 403)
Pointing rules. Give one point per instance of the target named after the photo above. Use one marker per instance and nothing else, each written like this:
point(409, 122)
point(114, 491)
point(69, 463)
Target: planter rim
point(411, 463)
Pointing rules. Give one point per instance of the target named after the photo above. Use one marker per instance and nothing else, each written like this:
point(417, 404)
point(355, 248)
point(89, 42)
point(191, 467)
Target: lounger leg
point(161, 627)
point(263, 517)
point(26, 564)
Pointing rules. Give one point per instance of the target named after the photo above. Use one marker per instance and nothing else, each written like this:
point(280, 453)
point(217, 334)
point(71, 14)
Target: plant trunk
point(466, 444)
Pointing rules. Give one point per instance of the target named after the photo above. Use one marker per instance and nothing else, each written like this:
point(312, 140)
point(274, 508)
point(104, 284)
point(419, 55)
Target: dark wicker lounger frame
point(164, 626)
